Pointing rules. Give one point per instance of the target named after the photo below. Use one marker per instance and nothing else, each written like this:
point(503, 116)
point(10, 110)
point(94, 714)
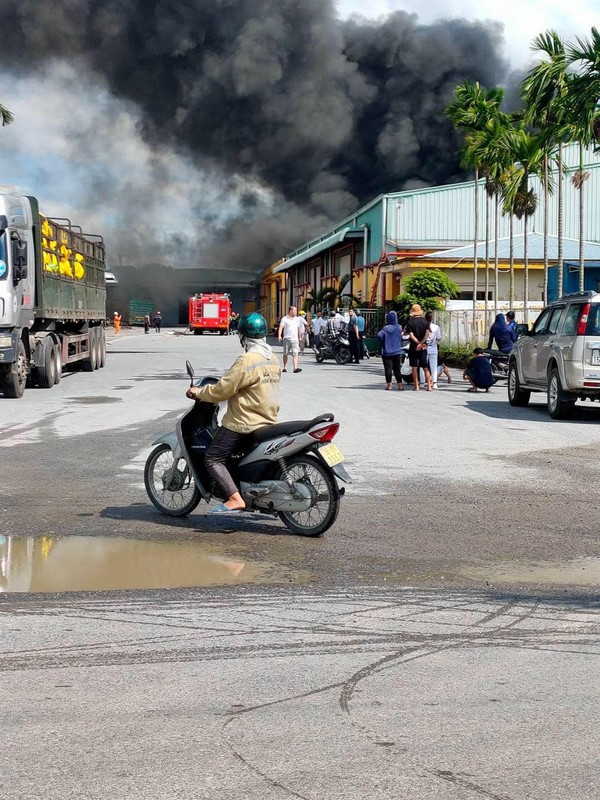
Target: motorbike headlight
point(6, 341)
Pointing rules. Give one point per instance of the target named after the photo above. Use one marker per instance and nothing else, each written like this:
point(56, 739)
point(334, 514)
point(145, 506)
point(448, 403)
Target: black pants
point(219, 450)
point(355, 348)
point(392, 364)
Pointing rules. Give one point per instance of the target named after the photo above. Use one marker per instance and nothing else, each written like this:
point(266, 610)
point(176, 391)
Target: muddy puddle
point(574, 572)
point(95, 563)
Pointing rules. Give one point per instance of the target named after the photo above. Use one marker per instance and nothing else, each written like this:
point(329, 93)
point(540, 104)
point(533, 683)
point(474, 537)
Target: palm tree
point(6, 117)
point(331, 296)
point(470, 110)
point(528, 158)
point(545, 92)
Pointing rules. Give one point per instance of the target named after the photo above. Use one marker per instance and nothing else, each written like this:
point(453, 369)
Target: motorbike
point(334, 345)
point(499, 363)
point(290, 469)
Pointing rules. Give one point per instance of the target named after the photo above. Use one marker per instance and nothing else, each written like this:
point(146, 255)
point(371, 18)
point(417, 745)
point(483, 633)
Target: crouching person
point(479, 372)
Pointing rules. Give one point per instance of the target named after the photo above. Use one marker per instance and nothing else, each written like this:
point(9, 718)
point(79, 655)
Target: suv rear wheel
point(560, 403)
point(516, 395)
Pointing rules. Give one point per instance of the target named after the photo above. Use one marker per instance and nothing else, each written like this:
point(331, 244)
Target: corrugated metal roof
point(313, 250)
point(535, 250)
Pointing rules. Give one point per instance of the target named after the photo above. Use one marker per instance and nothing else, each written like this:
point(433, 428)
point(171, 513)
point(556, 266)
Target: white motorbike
point(290, 469)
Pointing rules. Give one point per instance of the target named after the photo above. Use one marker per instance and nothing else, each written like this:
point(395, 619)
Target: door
point(547, 343)
point(531, 344)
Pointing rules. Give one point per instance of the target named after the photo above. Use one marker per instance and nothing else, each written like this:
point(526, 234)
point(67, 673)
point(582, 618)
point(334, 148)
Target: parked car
point(559, 356)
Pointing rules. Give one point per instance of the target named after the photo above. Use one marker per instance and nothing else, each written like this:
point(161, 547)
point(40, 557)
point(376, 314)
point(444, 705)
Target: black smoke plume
point(319, 114)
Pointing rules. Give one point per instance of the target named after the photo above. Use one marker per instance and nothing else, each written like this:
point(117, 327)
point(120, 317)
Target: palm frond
point(6, 116)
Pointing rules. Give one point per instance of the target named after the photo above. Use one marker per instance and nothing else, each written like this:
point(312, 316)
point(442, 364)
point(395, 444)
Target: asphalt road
point(440, 641)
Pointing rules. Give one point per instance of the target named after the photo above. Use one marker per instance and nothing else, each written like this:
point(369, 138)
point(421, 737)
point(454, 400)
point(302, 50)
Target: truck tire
point(560, 403)
point(16, 380)
point(102, 337)
point(58, 360)
point(46, 374)
point(98, 347)
point(89, 364)
point(516, 396)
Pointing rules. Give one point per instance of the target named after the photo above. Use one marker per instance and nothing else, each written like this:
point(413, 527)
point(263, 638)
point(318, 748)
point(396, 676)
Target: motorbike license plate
point(596, 357)
point(331, 454)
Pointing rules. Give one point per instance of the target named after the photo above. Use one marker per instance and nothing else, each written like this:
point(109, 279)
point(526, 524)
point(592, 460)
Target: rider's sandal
point(222, 509)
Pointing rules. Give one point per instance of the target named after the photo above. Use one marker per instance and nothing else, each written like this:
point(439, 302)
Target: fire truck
point(209, 312)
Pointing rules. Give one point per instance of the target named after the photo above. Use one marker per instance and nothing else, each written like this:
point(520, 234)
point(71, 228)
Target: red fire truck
point(209, 312)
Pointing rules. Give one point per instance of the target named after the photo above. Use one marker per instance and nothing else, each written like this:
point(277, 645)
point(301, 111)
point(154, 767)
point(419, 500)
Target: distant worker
point(117, 322)
point(157, 322)
point(147, 323)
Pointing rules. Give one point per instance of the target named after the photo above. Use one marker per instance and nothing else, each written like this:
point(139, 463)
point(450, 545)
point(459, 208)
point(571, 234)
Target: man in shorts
point(289, 333)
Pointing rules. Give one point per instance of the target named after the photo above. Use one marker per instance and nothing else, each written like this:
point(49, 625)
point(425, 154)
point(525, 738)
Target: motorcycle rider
point(251, 388)
point(502, 334)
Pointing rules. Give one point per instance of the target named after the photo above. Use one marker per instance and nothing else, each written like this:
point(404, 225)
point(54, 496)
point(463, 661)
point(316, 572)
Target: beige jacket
point(251, 388)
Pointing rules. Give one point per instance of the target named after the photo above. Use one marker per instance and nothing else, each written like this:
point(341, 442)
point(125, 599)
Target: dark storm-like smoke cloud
point(324, 114)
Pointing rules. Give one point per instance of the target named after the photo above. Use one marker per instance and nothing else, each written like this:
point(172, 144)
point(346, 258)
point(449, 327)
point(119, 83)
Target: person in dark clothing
point(390, 337)
point(354, 338)
point(157, 322)
point(417, 328)
point(479, 372)
point(502, 334)
point(512, 325)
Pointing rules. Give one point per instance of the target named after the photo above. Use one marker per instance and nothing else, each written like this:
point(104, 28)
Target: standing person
point(251, 388)
point(360, 322)
point(117, 322)
point(479, 372)
point(353, 338)
point(417, 328)
point(318, 325)
point(147, 323)
point(289, 332)
point(390, 337)
point(512, 325)
point(435, 336)
point(502, 334)
point(157, 322)
point(302, 331)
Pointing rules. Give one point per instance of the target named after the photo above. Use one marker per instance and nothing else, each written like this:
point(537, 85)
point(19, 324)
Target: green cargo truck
point(52, 297)
point(138, 309)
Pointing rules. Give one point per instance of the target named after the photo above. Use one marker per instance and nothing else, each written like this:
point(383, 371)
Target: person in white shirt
point(289, 333)
point(319, 324)
point(435, 336)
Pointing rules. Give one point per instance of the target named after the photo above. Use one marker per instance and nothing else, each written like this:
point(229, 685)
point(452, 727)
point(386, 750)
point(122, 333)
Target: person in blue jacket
point(502, 334)
point(390, 337)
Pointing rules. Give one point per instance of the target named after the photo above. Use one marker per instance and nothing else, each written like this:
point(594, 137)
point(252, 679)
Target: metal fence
point(468, 328)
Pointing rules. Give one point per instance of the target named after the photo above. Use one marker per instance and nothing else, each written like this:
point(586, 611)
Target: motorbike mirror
point(190, 372)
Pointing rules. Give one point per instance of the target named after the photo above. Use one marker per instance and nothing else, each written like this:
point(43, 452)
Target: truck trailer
point(139, 308)
point(209, 312)
point(52, 297)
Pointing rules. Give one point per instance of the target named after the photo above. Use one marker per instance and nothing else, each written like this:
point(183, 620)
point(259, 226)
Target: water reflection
point(95, 563)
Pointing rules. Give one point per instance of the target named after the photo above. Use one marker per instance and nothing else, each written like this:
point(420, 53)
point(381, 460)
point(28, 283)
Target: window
point(3, 262)
point(554, 324)
point(469, 296)
point(342, 262)
point(571, 319)
point(541, 322)
point(593, 323)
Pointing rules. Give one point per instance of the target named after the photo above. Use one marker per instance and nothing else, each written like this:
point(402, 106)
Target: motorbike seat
point(288, 428)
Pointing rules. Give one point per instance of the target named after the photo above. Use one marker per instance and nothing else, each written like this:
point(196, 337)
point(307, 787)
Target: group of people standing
point(416, 342)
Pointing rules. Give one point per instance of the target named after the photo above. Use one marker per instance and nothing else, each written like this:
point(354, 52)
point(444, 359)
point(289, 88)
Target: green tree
point(471, 109)
point(324, 298)
point(427, 287)
point(545, 93)
point(6, 117)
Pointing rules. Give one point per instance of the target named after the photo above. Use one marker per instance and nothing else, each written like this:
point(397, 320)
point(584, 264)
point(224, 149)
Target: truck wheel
point(560, 403)
point(98, 346)
point(46, 374)
point(57, 350)
point(516, 395)
point(197, 332)
point(16, 379)
point(102, 337)
point(89, 364)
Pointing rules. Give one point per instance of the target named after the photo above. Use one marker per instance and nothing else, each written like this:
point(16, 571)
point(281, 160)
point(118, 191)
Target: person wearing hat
point(157, 322)
point(302, 330)
point(418, 331)
point(251, 388)
point(117, 322)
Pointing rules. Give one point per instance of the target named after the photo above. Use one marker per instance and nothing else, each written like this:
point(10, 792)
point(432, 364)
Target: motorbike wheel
point(342, 356)
point(323, 513)
point(319, 358)
point(182, 496)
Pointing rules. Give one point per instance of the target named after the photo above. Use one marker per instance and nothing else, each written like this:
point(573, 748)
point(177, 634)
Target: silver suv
point(560, 355)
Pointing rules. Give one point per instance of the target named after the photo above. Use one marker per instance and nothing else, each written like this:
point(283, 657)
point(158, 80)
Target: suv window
point(557, 315)
point(571, 319)
point(593, 323)
point(541, 322)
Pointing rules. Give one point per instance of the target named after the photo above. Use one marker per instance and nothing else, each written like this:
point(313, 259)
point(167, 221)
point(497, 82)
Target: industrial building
point(385, 241)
